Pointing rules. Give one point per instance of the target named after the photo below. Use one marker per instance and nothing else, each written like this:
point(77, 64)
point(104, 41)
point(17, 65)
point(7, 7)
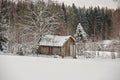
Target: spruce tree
point(64, 13)
point(4, 23)
point(80, 33)
point(74, 16)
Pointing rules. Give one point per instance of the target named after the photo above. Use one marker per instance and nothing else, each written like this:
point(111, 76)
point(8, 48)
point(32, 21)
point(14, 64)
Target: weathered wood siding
point(49, 50)
point(66, 47)
point(44, 50)
point(62, 51)
point(56, 50)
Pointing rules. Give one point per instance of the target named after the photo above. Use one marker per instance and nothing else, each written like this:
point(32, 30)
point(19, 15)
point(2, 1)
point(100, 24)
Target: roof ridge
point(54, 40)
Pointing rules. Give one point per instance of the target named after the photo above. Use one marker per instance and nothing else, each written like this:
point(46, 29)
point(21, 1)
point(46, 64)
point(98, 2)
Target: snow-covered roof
point(54, 40)
point(106, 43)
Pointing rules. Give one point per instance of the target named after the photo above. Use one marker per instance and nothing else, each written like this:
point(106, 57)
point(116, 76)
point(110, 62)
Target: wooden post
point(112, 53)
point(71, 50)
point(60, 51)
point(49, 49)
point(74, 56)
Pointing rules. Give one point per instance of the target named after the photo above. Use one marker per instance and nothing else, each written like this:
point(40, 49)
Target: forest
point(26, 21)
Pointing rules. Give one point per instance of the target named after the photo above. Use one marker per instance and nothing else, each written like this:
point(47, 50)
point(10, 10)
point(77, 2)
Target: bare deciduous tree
point(39, 21)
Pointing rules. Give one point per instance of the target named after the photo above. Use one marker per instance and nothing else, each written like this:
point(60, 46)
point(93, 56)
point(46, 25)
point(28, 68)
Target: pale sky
point(87, 3)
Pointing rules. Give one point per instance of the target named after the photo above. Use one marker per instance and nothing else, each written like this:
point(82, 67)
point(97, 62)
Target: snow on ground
point(39, 68)
point(106, 42)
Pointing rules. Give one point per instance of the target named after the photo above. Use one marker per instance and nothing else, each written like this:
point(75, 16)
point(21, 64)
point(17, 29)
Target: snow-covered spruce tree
point(4, 24)
point(3, 39)
point(80, 34)
point(81, 38)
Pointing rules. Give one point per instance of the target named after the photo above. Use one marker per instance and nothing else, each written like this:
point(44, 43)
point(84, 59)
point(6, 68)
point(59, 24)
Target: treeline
point(97, 22)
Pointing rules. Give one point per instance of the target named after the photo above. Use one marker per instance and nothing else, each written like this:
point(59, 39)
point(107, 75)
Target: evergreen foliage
point(97, 22)
point(80, 34)
point(4, 22)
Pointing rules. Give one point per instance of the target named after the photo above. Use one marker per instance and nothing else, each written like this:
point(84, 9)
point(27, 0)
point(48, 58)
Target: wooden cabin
point(57, 45)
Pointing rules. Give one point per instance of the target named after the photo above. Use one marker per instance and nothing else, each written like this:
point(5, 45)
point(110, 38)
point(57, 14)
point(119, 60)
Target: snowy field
point(41, 68)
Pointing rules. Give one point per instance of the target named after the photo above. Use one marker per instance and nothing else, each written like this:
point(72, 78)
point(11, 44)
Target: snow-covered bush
point(89, 54)
point(20, 52)
point(113, 55)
